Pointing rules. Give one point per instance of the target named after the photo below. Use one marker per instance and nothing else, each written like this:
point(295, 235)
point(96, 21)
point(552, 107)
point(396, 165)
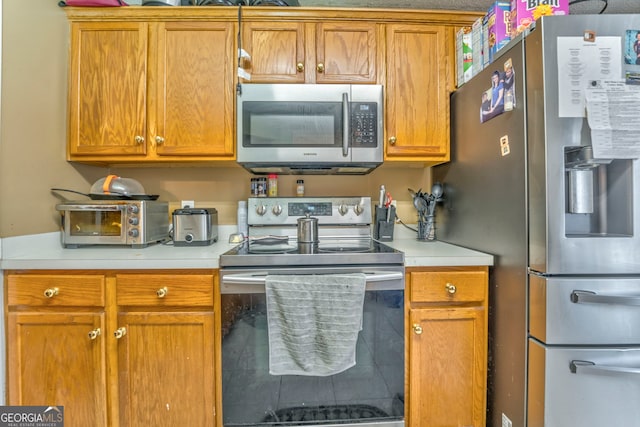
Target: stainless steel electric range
point(370, 393)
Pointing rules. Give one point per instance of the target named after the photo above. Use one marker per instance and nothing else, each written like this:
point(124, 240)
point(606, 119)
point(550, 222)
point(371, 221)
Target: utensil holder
point(383, 229)
point(427, 228)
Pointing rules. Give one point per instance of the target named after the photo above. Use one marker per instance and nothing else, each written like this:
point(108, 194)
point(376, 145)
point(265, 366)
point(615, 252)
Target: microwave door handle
point(345, 124)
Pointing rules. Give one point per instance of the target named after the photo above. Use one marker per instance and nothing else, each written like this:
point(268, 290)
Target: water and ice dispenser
point(598, 194)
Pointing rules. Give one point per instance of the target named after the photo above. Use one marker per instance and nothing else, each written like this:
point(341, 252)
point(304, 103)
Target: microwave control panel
point(364, 124)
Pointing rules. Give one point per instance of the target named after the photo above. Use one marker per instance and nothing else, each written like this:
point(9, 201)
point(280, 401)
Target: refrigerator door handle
point(579, 297)
point(587, 367)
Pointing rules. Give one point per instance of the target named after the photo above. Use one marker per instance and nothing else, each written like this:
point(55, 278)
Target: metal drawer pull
point(94, 334)
point(451, 288)
point(587, 367)
point(51, 292)
point(162, 292)
point(578, 297)
point(417, 329)
point(120, 332)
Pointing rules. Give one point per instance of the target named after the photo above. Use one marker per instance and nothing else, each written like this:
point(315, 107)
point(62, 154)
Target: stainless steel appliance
point(310, 129)
point(371, 393)
point(195, 226)
point(135, 223)
point(564, 226)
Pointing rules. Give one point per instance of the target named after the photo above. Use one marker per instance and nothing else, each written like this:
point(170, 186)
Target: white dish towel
point(313, 322)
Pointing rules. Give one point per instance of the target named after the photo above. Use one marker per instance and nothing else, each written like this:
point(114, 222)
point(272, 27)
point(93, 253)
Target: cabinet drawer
point(55, 290)
point(459, 286)
point(181, 290)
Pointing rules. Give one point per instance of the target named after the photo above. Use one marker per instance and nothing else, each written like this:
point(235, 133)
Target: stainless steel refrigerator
point(564, 224)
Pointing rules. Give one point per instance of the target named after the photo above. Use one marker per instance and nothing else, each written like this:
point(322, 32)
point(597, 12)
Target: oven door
point(93, 224)
point(371, 393)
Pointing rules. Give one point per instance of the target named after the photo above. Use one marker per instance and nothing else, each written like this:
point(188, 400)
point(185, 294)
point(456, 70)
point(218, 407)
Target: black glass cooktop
point(326, 252)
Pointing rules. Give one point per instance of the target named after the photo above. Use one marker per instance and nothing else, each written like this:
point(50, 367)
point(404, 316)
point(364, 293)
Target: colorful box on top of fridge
point(499, 26)
point(525, 12)
point(476, 46)
point(464, 56)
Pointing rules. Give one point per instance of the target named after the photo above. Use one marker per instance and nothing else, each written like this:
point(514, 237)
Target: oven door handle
point(578, 296)
point(260, 277)
point(588, 367)
point(89, 207)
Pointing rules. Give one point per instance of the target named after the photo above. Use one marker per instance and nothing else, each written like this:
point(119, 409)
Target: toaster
point(195, 226)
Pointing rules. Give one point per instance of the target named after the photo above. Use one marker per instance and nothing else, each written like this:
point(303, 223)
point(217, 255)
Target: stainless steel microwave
point(310, 128)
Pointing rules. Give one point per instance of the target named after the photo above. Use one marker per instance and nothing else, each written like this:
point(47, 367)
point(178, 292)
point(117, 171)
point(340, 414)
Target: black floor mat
point(335, 413)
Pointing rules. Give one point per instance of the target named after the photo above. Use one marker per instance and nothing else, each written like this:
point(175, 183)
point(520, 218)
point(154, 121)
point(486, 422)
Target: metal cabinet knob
point(300, 67)
point(139, 139)
point(120, 332)
point(320, 67)
point(392, 140)
point(162, 292)
point(417, 329)
point(51, 292)
point(451, 288)
point(94, 334)
point(159, 140)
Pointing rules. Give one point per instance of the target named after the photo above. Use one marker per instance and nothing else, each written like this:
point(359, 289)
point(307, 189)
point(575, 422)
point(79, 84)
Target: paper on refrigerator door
point(580, 61)
point(613, 114)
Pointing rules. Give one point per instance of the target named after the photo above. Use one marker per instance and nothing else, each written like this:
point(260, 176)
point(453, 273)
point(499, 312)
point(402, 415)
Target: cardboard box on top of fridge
point(525, 12)
point(499, 26)
point(476, 46)
point(464, 56)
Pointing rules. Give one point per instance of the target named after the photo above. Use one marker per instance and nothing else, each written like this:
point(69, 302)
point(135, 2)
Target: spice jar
point(261, 188)
point(300, 188)
point(272, 185)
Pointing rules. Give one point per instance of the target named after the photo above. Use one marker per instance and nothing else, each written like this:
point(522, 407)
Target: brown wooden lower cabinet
point(446, 346)
point(114, 349)
point(139, 348)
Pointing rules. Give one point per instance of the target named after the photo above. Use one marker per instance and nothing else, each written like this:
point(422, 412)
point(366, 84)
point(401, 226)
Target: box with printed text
point(464, 56)
point(499, 26)
point(525, 12)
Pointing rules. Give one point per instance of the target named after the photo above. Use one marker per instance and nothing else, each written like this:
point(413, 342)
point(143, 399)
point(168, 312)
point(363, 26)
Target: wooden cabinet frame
point(167, 344)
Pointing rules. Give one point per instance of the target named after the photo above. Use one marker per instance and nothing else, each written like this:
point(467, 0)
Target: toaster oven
point(135, 223)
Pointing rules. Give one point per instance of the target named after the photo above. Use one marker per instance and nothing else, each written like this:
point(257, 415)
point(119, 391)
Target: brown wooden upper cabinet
point(151, 91)
point(419, 79)
point(299, 52)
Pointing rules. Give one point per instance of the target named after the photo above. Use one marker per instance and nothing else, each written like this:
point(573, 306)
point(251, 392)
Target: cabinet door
point(417, 93)
point(277, 51)
point(166, 369)
point(346, 52)
point(108, 92)
point(447, 353)
point(52, 361)
point(195, 90)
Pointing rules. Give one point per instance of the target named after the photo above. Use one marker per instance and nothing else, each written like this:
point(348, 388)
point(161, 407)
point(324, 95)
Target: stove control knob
point(277, 210)
point(261, 210)
point(358, 209)
point(343, 209)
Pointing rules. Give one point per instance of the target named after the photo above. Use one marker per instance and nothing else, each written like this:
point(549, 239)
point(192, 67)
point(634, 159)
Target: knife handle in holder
point(383, 229)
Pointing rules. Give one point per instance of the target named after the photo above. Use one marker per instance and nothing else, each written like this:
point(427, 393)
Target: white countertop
point(44, 251)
